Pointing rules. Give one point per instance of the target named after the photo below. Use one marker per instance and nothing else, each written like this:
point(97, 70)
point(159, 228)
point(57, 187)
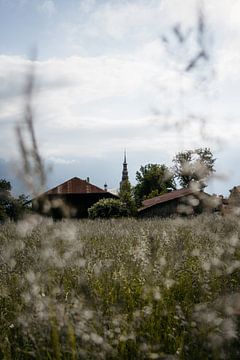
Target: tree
point(126, 196)
point(5, 185)
point(153, 180)
point(5, 199)
point(194, 166)
point(10, 207)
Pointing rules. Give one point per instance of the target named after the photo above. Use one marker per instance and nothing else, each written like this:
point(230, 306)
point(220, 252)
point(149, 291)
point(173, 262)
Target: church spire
point(125, 169)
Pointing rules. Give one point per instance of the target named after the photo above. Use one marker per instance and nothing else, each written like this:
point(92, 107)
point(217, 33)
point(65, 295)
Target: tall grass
point(120, 289)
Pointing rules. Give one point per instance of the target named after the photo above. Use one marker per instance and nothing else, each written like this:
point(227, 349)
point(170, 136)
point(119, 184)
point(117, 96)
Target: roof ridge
point(166, 197)
point(75, 182)
point(75, 177)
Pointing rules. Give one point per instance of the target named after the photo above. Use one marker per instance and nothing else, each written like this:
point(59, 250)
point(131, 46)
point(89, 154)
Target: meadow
point(120, 289)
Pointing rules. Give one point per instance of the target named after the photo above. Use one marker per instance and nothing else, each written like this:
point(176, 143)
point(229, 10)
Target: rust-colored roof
point(166, 197)
point(235, 188)
point(75, 186)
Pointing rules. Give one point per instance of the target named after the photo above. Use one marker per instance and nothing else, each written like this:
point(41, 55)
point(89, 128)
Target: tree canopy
point(10, 207)
point(153, 180)
point(194, 166)
point(126, 196)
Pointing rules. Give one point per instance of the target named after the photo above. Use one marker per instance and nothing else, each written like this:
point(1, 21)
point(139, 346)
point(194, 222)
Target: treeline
point(190, 167)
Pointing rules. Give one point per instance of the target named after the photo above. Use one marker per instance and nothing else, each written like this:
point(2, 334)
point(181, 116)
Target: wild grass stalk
point(120, 289)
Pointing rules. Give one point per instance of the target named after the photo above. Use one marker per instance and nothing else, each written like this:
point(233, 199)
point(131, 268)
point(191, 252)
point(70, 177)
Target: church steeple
point(125, 170)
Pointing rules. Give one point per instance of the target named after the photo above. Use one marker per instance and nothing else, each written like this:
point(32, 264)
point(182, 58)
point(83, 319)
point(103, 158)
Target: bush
point(108, 208)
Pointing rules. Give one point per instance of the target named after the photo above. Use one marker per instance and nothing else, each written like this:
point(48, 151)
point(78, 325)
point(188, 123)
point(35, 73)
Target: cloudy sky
point(111, 74)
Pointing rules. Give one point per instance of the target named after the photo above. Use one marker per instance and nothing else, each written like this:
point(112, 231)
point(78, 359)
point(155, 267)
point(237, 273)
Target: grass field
point(120, 289)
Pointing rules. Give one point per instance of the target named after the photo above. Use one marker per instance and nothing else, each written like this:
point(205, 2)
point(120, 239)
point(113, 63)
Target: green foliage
point(194, 166)
point(153, 180)
point(126, 196)
point(108, 208)
point(5, 185)
point(10, 207)
point(125, 289)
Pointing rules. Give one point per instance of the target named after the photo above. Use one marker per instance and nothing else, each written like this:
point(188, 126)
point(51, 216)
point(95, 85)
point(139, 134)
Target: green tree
point(126, 196)
point(10, 207)
point(194, 166)
point(153, 180)
point(5, 185)
point(5, 199)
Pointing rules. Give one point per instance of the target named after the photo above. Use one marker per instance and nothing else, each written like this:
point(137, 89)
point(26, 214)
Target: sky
point(112, 74)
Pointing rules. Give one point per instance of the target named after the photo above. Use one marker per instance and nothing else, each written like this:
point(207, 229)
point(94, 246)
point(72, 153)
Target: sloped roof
point(75, 186)
point(235, 188)
point(166, 197)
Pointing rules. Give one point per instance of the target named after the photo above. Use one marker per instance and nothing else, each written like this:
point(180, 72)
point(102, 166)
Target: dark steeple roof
point(125, 170)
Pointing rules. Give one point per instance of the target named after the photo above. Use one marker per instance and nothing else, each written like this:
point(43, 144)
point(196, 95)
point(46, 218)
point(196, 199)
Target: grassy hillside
point(120, 289)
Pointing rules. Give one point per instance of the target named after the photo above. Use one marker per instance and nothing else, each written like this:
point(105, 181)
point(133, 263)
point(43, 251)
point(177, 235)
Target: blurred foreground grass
point(120, 289)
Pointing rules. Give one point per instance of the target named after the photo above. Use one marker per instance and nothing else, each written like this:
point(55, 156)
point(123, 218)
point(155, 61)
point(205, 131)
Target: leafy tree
point(108, 208)
point(153, 180)
point(5, 199)
point(5, 185)
point(10, 207)
point(194, 166)
point(127, 198)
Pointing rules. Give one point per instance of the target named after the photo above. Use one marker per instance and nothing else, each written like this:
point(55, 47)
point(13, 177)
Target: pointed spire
point(125, 157)
point(125, 169)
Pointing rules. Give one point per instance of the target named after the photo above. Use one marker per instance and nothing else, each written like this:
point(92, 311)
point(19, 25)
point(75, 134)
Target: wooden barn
point(179, 202)
point(72, 199)
point(234, 197)
point(231, 205)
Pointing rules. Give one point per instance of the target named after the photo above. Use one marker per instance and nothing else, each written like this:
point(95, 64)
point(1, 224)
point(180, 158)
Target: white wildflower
point(98, 340)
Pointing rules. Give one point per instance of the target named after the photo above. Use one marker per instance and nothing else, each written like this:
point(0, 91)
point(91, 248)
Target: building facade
point(71, 199)
point(183, 202)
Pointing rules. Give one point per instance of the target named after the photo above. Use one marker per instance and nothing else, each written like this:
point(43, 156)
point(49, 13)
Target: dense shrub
point(108, 208)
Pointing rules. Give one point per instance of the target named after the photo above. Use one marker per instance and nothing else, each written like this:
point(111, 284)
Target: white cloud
point(124, 26)
point(99, 102)
point(95, 104)
point(61, 161)
point(87, 5)
point(48, 7)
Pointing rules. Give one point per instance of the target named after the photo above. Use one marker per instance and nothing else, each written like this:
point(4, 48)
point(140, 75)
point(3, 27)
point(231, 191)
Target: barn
point(231, 205)
point(179, 202)
point(72, 199)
